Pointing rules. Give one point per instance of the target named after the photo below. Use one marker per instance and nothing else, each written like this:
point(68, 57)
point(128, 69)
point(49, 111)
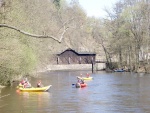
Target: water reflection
point(106, 93)
point(34, 100)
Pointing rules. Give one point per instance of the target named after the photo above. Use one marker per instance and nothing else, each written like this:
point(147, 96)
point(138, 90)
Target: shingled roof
point(78, 52)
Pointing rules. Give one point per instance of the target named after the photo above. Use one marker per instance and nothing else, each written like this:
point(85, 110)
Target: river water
point(106, 93)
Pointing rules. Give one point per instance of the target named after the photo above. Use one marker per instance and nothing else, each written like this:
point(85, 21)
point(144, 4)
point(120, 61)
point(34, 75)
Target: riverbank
point(97, 66)
point(144, 69)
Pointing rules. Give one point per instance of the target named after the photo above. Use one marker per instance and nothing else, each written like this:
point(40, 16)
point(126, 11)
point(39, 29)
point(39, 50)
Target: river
point(106, 93)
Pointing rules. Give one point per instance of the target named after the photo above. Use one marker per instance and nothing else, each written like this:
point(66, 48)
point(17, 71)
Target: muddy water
point(106, 93)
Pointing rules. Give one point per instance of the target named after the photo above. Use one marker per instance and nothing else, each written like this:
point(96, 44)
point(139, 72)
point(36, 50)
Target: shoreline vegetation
point(34, 73)
point(28, 43)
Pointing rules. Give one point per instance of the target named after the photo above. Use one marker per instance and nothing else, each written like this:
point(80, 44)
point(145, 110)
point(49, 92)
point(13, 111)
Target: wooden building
point(70, 56)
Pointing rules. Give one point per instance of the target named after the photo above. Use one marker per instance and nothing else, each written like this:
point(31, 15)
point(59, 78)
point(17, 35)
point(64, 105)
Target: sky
point(96, 7)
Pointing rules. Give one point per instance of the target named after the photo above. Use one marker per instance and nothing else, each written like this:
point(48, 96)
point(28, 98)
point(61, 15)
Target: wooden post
point(80, 60)
point(92, 67)
point(69, 60)
point(57, 60)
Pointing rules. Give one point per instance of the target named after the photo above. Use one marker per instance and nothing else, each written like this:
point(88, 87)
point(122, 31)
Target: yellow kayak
point(19, 86)
point(35, 89)
point(87, 78)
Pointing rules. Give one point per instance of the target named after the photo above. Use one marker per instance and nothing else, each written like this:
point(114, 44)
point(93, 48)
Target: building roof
point(78, 52)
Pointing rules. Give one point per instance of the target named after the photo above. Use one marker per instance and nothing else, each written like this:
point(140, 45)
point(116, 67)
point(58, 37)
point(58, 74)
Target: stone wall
point(99, 66)
point(70, 67)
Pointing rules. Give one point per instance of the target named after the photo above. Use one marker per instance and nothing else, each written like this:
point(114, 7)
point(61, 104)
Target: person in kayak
point(78, 84)
point(22, 82)
point(27, 84)
point(87, 75)
point(39, 84)
point(80, 80)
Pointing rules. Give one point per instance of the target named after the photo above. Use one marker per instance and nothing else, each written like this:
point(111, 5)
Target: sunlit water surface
point(106, 93)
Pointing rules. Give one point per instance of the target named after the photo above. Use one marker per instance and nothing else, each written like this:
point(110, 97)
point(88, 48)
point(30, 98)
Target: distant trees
point(123, 37)
point(45, 20)
point(129, 28)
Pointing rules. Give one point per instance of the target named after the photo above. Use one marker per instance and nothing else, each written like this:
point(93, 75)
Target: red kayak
point(83, 85)
point(80, 85)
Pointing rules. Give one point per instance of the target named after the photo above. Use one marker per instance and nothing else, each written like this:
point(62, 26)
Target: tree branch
point(65, 29)
point(34, 35)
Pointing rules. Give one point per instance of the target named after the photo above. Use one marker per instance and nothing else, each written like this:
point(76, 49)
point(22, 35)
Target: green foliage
point(21, 54)
point(57, 3)
point(27, 61)
point(7, 75)
point(17, 57)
